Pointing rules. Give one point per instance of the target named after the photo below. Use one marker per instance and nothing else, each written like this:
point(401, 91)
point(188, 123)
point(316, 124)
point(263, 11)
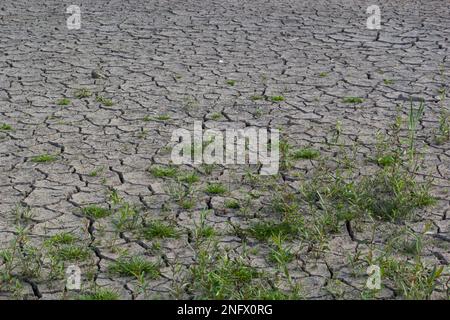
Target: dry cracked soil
point(87, 185)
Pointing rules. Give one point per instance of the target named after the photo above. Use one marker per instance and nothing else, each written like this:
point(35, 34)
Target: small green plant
point(96, 212)
point(323, 74)
point(96, 171)
point(71, 253)
point(83, 93)
point(267, 230)
point(217, 276)
point(232, 204)
point(44, 158)
point(215, 189)
point(256, 97)
point(5, 127)
point(63, 102)
point(388, 81)
point(305, 153)
point(159, 229)
point(202, 230)
point(135, 267)
point(189, 178)
point(104, 101)
point(161, 172)
point(387, 160)
point(216, 116)
point(100, 294)
point(443, 134)
point(147, 118)
point(61, 239)
point(126, 218)
point(353, 100)
point(231, 82)
point(163, 117)
point(276, 98)
point(278, 253)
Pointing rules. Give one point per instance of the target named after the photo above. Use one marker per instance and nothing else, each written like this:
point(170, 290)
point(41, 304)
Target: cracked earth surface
point(168, 63)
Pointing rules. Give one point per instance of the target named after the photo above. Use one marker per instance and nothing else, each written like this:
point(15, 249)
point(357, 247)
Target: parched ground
point(85, 166)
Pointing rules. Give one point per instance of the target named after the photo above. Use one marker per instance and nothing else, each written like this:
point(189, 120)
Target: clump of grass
point(276, 98)
point(215, 189)
point(63, 102)
point(5, 127)
point(267, 230)
point(161, 172)
point(83, 93)
point(353, 100)
point(135, 267)
point(232, 204)
point(392, 194)
point(323, 74)
point(216, 116)
point(126, 217)
point(231, 82)
point(256, 97)
point(163, 117)
point(96, 172)
point(305, 153)
point(189, 178)
point(104, 101)
point(71, 253)
point(100, 294)
point(387, 160)
point(388, 81)
point(412, 280)
point(159, 229)
point(44, 158)
point(278, 253)
point(202, 230)
point(96, 212)
point(63, 238)
point(217, 276)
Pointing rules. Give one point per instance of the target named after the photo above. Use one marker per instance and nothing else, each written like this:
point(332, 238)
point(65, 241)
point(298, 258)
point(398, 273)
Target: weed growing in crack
point(216, 275)
point(231, 82)
point(104, 101)
point(126, 218)
point(63, 238)
point(96, 212)
point(160, 230)
point(278, 253)
point(216, 116)
point(203, 231)
point(354, 100)
point(135, 267)
point(265, 231)
point(216, 189)
point(44, 158)
point(305, 153)
point(276, 98)
point(232, 204)
point(100, 294)
point(71, 253)
point(163, 172)
point(96, 172)
point(5, 127)
point(83, 93)
point(443, 132)
point(63, 102)
point(189, 178)
point(256, 97)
